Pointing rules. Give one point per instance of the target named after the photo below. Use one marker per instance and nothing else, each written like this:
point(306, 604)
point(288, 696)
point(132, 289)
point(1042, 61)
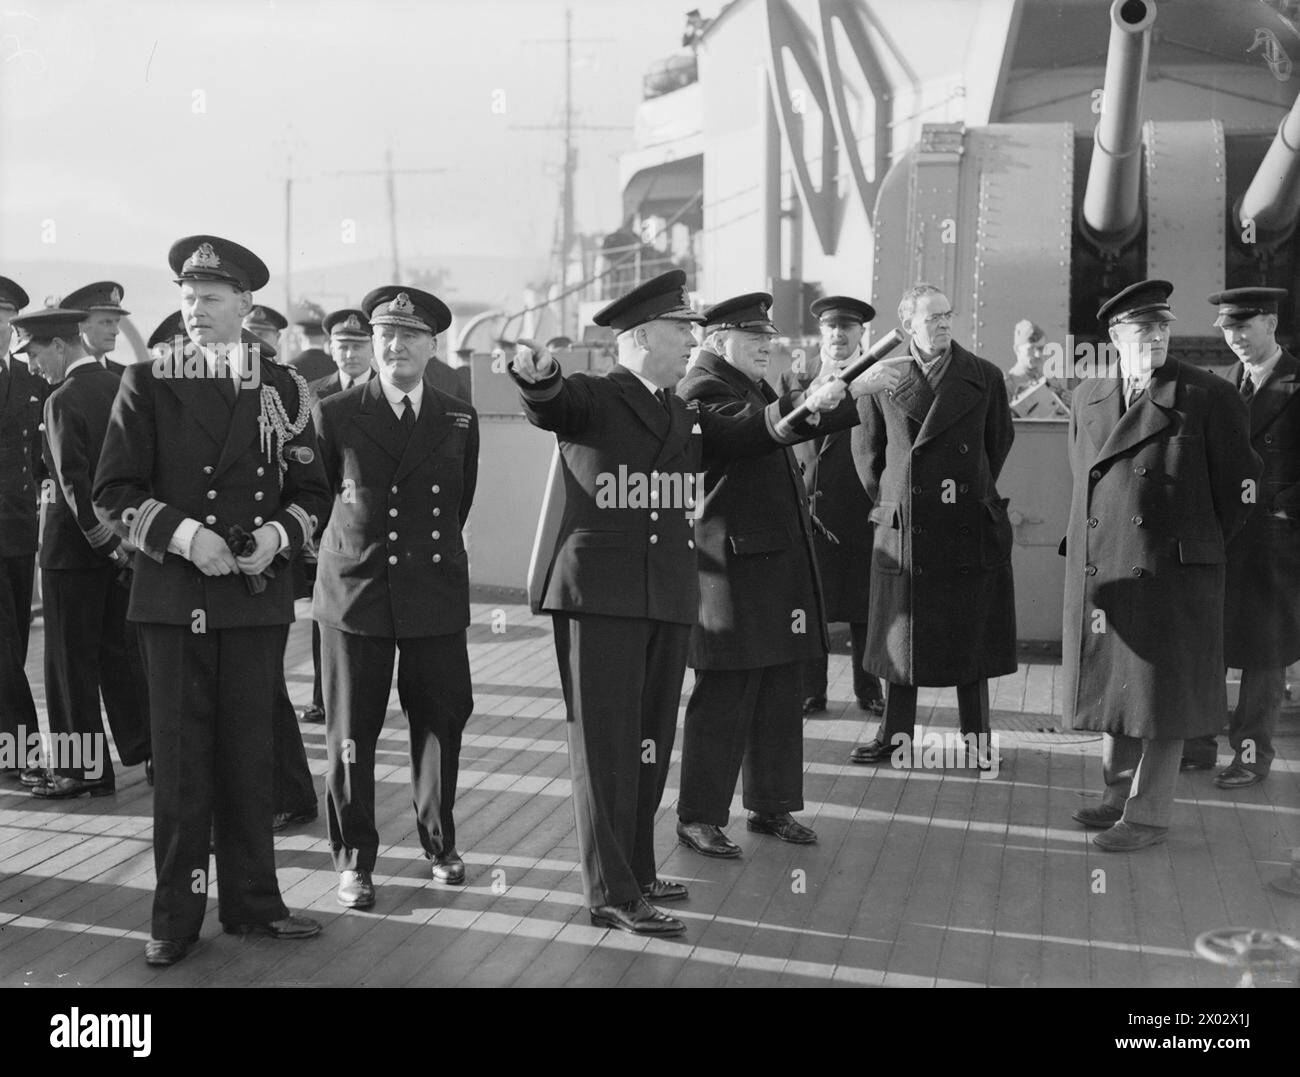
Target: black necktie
point(1247, 386)
point(662, 396)
point(408, 415)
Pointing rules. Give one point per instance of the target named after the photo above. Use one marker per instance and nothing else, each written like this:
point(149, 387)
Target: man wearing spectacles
point(942, 603)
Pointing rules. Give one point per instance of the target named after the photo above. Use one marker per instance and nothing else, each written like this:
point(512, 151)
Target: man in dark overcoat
point(1261, 617)
point(90, 648)
point(22, 396)
point(942, 603)
point(200, 444)
point(761, 610)
point(622, 584)
point(842, 529)
point(392, 586)
point(1164, 477)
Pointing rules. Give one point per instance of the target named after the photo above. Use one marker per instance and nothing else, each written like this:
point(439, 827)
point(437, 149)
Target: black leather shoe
point(32, 776)
point(660, 890)
point(285, 819)
point(449, 868)
point(637, 917)
point(163, 952)
point(814, 705)
point(1195, 764)
point(1100, 817)
point(148, 770)
point(1127, 837)
point(782, 825)
point(356, 889)
point(1237, 776)
point(313, 713)
point(291, 927)
point(874, 751)
point(707, 839)
point(872, 706)
point(59, 787)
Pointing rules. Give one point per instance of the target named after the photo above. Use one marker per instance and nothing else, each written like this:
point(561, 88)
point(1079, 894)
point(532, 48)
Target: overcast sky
point(124, 126)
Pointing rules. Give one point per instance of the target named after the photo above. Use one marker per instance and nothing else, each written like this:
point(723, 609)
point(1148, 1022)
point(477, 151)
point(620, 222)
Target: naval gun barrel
point(1111, 211)
point(1272, 201)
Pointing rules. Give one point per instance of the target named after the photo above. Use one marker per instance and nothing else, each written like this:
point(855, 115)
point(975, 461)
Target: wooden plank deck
point(919, 878)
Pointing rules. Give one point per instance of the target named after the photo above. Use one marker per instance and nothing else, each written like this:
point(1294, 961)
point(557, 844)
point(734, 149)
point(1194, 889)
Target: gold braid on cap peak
point(277, 428)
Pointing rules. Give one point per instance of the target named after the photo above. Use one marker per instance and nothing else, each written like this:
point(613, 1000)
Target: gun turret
point(1271, 204)
point(1112, 214)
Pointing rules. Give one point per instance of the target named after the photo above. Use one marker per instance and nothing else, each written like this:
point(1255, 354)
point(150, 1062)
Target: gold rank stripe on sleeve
point(138, 527)
point(100, 535)
point(305, 520)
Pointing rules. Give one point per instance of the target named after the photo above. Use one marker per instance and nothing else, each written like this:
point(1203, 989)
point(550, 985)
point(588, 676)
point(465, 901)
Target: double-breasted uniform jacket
point(21, 465)
point(626, 540)
point(760, 600)
point(1159, 491)
point(942, 597)
point(1261, 617)
point(392, 562)
point(76, 420)
point(175, 450)
point(841, 505)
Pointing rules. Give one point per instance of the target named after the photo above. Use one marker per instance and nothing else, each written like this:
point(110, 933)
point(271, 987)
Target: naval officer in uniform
point(102, 302)
point(392, 585)
point(89, 646)
point(354, 355)
point(1261, 622)
point(210, 468)
point(841, 512)
point(622, 585)
point(22, 396)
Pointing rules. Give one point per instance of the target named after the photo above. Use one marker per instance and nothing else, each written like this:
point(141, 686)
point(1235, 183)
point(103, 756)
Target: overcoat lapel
point(960, 390)
point(376, 420)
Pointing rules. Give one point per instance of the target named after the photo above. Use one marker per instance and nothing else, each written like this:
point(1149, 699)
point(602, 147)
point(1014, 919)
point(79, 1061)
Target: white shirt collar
point(1259, 372)
point(236, 356)
point(360, 379)
point(651, 387)
point(394, 396)
point(80, 362)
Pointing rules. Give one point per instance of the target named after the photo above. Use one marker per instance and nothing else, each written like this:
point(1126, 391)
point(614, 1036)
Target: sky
point(124, 126)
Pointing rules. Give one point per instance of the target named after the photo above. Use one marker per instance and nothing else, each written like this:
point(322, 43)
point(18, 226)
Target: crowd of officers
point(190, 499)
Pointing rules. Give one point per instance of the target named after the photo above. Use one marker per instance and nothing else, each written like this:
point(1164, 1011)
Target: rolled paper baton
point(877, 352)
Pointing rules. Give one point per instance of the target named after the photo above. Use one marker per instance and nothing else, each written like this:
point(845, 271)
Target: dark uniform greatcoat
point(753, 541)
point(623, 589)
point(89, 647)
point(1261, 626)
point(942, 599)
point(1159, 491)
point(22, 395)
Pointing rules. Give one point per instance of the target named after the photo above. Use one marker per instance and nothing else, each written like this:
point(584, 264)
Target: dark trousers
point(90, 648)
point(211, 702)
point(292, 787)
point(742, 719)
point(622, 681)
point(317, 698)
point(900, 710)
point(434, 690)
point(17, 707)
point(1253, 722)
point(866, 686)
